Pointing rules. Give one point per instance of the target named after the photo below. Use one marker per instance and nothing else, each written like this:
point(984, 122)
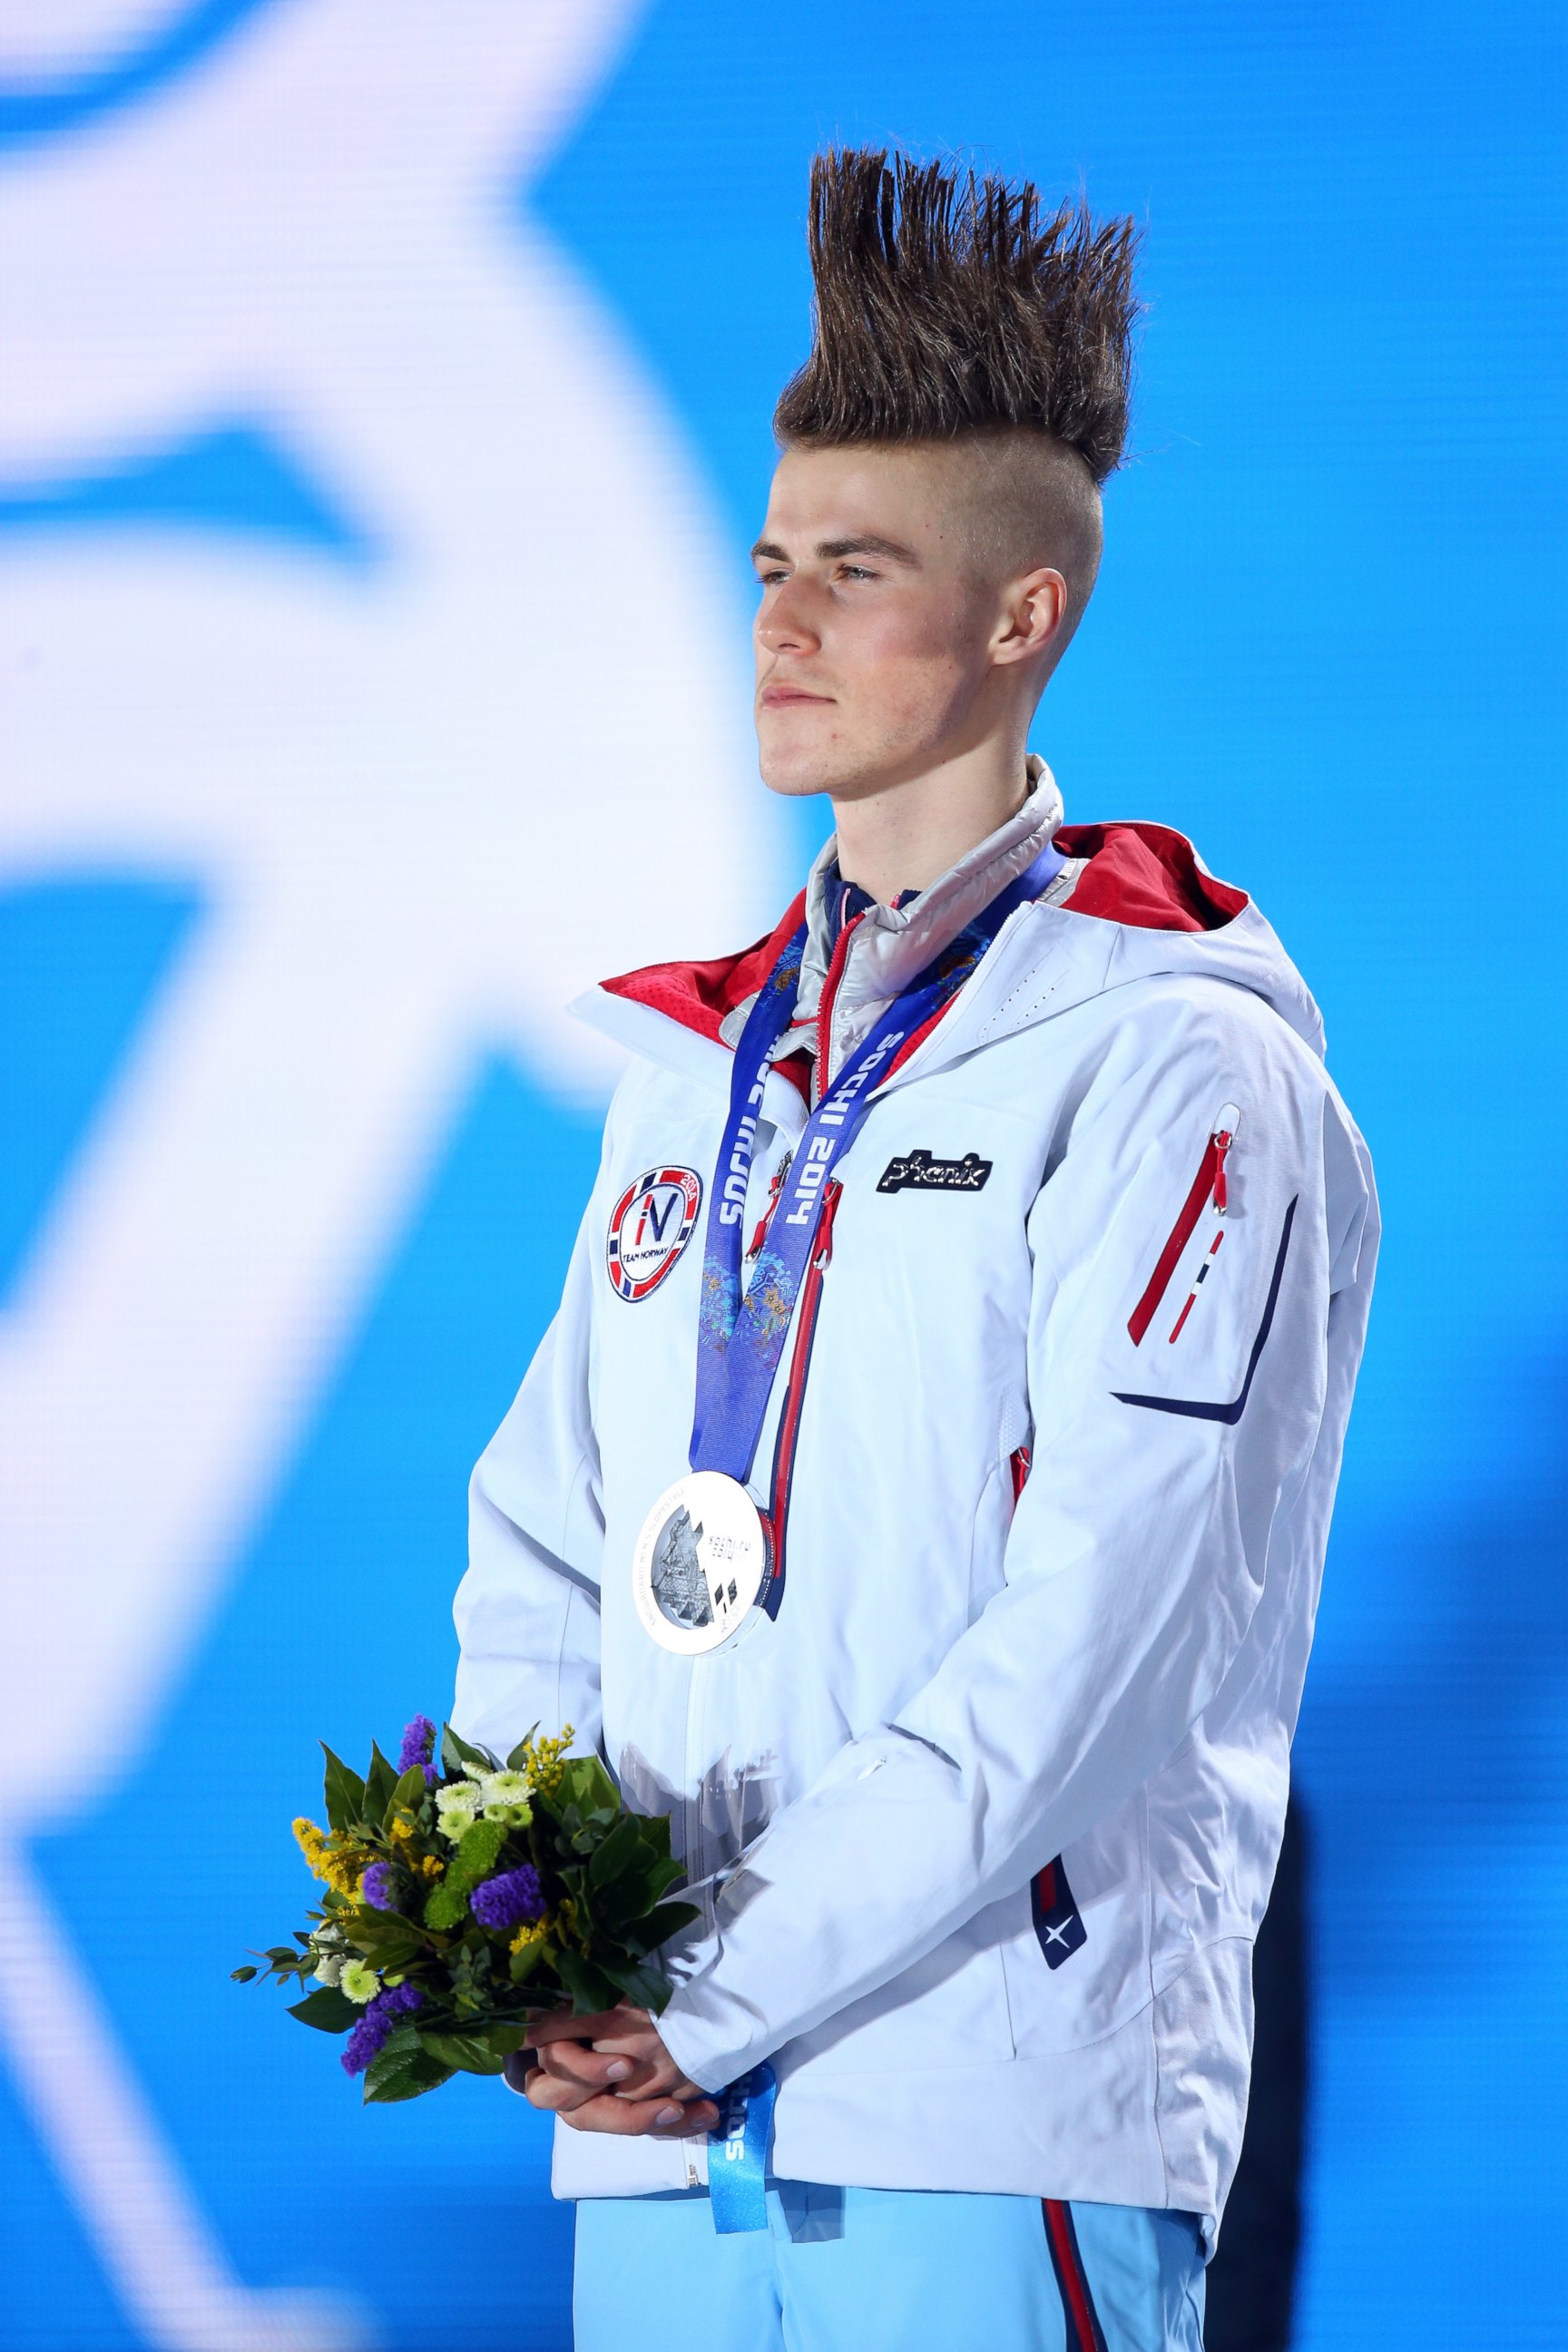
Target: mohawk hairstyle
point(946, 306)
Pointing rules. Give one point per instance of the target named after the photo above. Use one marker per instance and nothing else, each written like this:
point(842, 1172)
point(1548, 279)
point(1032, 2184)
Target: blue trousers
point(886, 2270)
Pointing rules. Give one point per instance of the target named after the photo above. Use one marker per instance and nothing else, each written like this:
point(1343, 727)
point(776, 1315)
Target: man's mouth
point(780, 696)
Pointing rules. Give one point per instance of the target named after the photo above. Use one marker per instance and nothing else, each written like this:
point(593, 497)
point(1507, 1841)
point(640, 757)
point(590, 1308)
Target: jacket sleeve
point(527, 1612)
point(1136, 1555)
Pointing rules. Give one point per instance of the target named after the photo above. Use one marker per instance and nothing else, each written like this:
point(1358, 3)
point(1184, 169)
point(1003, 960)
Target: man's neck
point(903, 836)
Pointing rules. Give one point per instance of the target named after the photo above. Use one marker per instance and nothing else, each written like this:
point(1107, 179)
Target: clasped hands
point(608, 2072)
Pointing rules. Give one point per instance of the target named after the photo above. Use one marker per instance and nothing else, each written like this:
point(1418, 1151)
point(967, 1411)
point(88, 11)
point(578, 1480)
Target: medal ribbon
point(740, 1337)
point(738, 2153)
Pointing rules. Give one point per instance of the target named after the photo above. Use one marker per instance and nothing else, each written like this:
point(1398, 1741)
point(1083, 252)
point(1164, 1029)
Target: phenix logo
point(918, 1171)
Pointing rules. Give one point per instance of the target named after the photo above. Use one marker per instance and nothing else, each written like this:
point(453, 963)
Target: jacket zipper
point(795, 1395)
point(775, 1186)
point(831, 979)
point(1210, 1183)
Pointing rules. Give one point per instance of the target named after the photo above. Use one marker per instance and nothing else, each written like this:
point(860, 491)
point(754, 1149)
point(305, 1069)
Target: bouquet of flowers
point(460, 1894)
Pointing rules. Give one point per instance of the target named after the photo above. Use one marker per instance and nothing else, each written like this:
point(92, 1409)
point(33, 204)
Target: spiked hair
point(947, 307)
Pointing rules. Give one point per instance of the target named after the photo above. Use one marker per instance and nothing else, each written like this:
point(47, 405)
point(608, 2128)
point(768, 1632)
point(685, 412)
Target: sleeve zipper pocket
point(1209, 1185)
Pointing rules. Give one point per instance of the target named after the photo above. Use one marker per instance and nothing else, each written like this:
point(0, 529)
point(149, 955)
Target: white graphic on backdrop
point(425, 802)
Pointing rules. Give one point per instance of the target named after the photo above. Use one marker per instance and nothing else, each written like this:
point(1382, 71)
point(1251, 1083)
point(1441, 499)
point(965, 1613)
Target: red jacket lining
point(1143, 875)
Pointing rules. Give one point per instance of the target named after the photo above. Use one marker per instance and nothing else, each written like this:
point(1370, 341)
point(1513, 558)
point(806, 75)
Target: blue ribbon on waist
point(738, 2153)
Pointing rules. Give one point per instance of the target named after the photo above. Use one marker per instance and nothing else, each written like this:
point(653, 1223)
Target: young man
point(922, 1492)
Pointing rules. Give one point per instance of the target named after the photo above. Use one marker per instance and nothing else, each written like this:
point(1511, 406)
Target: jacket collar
point(892, 944)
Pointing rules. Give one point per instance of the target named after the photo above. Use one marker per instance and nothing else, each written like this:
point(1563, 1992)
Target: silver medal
point(701, 1563)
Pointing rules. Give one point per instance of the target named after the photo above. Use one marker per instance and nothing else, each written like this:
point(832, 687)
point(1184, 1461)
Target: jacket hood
point(1141, 904)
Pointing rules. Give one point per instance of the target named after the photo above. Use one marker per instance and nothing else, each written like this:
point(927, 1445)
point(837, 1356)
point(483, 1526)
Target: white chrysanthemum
point(504, 1796)
point(330, 1968)
point(359, 1980)
point(457, 1809)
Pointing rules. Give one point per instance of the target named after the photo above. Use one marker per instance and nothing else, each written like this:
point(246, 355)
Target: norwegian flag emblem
point(652, 1222)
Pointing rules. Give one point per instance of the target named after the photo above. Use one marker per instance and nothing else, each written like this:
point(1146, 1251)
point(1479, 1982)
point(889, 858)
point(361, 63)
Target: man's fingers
point(657, 2118)
point(595, 2070)
point(559, 2025)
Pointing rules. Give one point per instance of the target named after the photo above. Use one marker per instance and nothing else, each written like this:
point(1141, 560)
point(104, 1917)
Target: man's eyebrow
point(831, 550)
point(865, 543)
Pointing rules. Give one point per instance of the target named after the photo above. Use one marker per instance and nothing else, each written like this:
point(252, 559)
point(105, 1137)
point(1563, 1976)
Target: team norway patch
point(652, 1222)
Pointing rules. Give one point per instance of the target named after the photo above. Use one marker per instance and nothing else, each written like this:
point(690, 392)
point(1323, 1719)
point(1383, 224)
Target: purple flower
point(376, 1887)
point(508, 1900)
point(370, 2034)
point(418, 1747)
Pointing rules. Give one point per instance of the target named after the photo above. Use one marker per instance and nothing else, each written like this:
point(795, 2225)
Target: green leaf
point(640, 1984)
point(523, 1963)
point(379, 1784)
point(519, 1756)
point(387, 1942)
point(327, 2009)
point(590, 1988)
point(617, 1852)
point(655, 1830)
point(457, 1757)
point(242, 1976)
point(342, 1792)
point(402, 2069)
point(585, 1782)
point(660, 1925)
point(446, 1907)
point(466, 2054)
point(410, 1790)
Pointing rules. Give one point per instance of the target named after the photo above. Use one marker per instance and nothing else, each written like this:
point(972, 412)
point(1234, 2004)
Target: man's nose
point(786, 620)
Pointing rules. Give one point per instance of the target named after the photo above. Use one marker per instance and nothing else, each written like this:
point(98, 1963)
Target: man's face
point(873, 634)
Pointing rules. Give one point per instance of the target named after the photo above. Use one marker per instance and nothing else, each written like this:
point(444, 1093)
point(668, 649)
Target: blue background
point(1327, 645)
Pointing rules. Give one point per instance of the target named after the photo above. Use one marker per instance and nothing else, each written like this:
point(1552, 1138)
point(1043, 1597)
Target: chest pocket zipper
point(1210, 1183)
point(794, 1393)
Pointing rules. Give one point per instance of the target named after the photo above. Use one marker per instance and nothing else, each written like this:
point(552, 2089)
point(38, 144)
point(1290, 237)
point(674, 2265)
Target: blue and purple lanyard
point(740, 1332)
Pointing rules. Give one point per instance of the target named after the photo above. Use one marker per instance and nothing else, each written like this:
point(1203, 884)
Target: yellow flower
point(543, 1760)
point(431, 1866)
point(343, 1870)
point(313, 1844)
point(532, 1931)
point(340, 1863)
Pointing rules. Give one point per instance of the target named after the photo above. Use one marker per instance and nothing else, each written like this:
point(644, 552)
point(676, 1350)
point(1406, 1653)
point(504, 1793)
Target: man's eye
point(771, 579)
point(855, 572)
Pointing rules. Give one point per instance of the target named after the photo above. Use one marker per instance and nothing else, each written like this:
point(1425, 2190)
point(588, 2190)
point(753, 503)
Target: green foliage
point(409, 1795)
point(327, 2009)
point(386, 1940)
point(402, 2069)
point(458, 1758)
point(342, 1792)
point(468, 2053)
point(379, 1784)
point(590, 1988)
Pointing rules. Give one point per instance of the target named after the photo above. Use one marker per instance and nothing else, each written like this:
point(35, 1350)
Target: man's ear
point(1033, 609)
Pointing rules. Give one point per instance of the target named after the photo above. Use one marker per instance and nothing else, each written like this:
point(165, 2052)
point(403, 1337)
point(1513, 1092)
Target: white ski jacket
point(986, 1819)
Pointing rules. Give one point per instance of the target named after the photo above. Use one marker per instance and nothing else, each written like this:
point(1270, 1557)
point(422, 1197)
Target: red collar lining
point(1145, 876)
